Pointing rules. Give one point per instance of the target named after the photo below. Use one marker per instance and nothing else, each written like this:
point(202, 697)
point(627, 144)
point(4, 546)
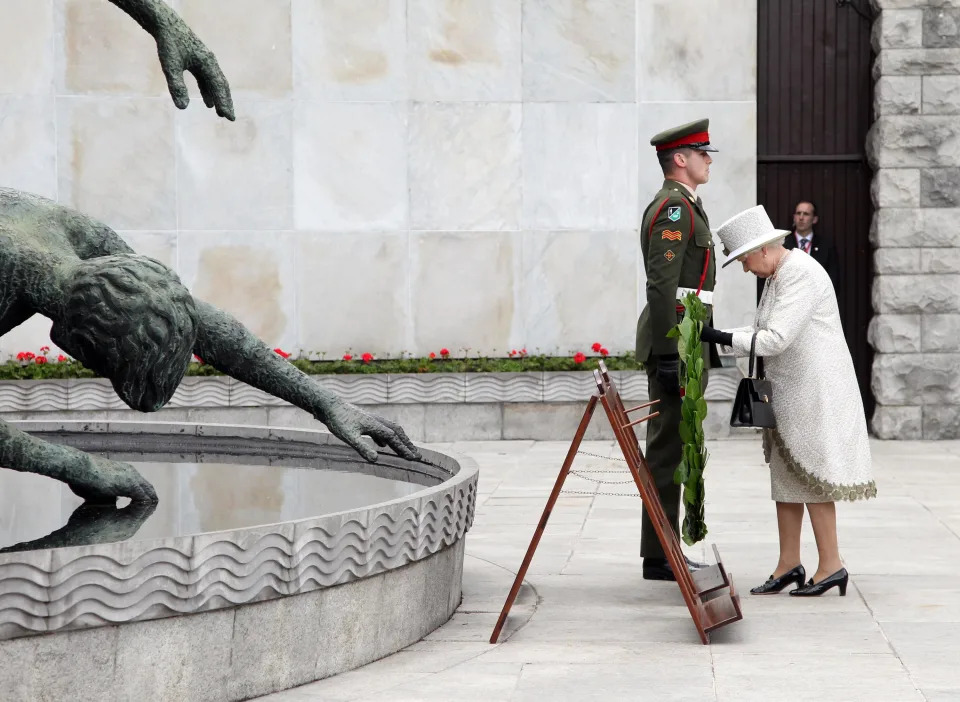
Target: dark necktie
point(805, 245)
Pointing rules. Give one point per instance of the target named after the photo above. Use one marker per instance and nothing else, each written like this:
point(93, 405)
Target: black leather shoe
point(775, 585)
point(659, 568)
point(812, 589)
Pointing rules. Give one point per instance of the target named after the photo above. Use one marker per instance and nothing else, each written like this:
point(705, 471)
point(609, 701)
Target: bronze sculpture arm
point(226, 344)
point(96, 479)
point(181, 50)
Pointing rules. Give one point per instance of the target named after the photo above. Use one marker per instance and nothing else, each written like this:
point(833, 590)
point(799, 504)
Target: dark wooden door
point(814, 107)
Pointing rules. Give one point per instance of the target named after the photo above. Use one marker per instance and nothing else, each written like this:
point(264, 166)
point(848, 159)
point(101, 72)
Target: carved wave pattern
point(568, 387)
point(95, 586)
point(92, 394)
point(632, 386)
point(201, 392)
point(32, 395)
point(434, 387)
point(484, 387)
point(359, 389)
point(722, 384)
point(243, 395)
point(98, 394)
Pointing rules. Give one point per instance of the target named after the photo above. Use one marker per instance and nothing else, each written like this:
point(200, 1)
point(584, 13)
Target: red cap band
point(698, 138)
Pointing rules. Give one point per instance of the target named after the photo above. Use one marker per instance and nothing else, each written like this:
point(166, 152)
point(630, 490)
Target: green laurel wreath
point(693, 410)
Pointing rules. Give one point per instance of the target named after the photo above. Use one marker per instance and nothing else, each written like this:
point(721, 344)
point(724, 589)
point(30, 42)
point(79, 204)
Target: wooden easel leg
point(535, 541)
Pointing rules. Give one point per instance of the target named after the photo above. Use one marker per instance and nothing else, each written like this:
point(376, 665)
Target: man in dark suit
point(816, 244)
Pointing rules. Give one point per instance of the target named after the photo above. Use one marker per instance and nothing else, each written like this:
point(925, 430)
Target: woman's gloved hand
point(715, 336)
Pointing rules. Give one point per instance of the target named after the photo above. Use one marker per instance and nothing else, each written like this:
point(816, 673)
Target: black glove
point(715, 336)
point(667, 373)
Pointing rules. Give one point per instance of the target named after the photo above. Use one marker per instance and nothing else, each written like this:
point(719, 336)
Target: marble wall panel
point(511, 129)
point(576, 51)
point(691, 51)
point(463, 291)
point(349, 50)
point(350, 166)
point(464, 50)
point(251, 40)
point(26, 47)
point(236, 175)
point(251, 275)
point(116, 160)
point(464, 164)
point(579, 288)
point(352, 292)
point(28, 142)
point(100, 50)
point(580, 166)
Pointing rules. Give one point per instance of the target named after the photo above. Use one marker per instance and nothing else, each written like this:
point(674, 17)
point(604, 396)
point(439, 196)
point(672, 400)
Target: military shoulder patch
point(673, 213)
point(669, 255)
point(671, 235)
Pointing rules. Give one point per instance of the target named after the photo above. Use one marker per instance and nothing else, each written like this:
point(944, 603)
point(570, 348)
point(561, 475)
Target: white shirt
point(693, 193)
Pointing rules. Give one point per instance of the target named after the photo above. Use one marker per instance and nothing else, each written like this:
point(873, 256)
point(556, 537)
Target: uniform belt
point(706, 296)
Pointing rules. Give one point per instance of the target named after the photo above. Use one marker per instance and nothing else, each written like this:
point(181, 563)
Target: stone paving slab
point(586, 626)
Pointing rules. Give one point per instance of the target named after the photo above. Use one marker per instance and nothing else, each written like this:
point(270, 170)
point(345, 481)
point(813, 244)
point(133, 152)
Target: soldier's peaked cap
point(693, 135)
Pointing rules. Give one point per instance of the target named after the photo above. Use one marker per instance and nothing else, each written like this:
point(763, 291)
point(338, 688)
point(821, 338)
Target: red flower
point(281, 352)
point(604, 352)
point(523, 352)
point(444, 352)
point(44, 350)
point(62, 359)
point(579, 358)
point(347, 357)
point(199, 360)
point(29, 355)
point(596, 347)
point(433, 355)
point(40, 360)
point(513, 352)
point(367, 357)
point(22, 356)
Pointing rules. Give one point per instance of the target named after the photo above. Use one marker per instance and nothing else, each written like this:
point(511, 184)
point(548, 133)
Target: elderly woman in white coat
point(819, 452)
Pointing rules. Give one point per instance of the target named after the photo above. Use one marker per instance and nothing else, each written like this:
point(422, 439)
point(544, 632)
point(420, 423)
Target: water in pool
point(201, 493)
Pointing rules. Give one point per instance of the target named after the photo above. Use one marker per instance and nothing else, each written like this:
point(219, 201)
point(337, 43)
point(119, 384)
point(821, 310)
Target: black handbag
point(752, 406)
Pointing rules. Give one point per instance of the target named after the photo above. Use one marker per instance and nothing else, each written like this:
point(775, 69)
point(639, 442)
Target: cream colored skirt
point(786, 486)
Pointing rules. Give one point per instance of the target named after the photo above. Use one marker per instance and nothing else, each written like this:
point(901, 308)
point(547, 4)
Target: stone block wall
point(403, 175)
point(914, 147)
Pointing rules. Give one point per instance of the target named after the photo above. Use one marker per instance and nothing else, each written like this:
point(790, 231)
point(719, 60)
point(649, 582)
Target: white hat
point(746, 232)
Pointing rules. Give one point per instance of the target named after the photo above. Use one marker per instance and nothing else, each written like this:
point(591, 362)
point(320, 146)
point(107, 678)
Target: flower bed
point(31, 366)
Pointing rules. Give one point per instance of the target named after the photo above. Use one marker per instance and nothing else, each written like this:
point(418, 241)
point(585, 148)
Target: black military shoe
point(659, 568)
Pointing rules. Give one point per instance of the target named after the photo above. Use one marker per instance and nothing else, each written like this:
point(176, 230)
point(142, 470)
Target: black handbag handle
point(753, 352)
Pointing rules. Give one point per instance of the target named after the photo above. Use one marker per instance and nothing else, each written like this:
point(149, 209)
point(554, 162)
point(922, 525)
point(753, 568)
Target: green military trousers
point(663, 452)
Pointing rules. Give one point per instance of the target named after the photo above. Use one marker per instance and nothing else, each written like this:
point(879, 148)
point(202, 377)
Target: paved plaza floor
point(587, 626)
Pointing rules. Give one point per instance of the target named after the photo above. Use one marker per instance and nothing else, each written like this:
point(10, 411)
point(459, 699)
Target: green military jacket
point(678, 252)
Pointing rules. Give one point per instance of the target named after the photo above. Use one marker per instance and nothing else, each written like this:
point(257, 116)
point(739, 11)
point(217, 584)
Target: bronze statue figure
point(180, 50)
point(130, 319)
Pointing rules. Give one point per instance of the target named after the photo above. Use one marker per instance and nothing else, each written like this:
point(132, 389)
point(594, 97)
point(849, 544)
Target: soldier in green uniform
point(679, 257)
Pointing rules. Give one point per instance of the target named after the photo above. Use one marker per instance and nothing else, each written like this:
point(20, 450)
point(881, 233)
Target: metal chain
point(602, 482)
point(597, 455)
point(579, 473)
point(597, 492)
